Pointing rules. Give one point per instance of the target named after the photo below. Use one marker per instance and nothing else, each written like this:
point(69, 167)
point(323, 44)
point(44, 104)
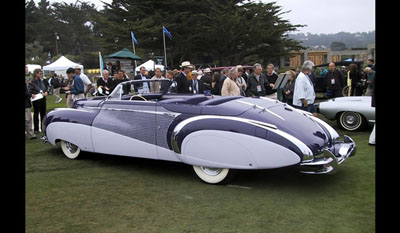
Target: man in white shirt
point(304, 94)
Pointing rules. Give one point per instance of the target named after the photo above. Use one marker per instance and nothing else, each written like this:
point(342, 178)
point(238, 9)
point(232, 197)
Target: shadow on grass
point(287, 177)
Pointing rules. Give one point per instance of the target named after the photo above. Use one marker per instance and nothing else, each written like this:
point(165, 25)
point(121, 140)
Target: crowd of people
point(76, 86)
point(357, 80)
point(251, 82)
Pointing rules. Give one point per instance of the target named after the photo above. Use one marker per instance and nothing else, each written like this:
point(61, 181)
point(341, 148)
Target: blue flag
point(133, 38)
point(101, 64)
point(167, 32)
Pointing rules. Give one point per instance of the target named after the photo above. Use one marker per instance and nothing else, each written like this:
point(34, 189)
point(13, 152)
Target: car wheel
point(214, 175)
point(351, 121)
point(70, 150)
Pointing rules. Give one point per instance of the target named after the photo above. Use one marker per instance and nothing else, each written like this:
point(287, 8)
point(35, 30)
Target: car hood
point(287, 119)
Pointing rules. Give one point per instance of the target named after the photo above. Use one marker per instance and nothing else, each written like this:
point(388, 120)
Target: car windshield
point(143, 87)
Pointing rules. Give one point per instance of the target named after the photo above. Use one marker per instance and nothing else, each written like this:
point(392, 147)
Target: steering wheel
point(138, 96)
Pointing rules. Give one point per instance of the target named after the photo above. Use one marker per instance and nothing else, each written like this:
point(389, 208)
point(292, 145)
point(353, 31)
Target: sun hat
point(207, 70)
point(186, 64)
point(195, 72)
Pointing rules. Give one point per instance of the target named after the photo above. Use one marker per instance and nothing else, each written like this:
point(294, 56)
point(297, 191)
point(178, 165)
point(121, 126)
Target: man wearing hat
point(206, 81)
point(196, 85)
point(182, 81)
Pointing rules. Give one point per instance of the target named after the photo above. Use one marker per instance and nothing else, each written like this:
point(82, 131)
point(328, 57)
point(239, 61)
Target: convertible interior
point(133, 91)
point(199, 99)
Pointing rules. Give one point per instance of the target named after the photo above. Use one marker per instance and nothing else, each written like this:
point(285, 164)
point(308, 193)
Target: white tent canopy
point(61, 65)
point(149, 65)
point(32, 67)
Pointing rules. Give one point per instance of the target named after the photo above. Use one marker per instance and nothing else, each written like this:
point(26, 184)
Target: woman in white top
point(241, 82)
point(155, 86)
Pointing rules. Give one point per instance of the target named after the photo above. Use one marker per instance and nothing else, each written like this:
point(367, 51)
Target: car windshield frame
point(134, 85)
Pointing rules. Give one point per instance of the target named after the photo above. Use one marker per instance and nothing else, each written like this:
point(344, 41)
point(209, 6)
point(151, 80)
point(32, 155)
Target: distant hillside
point(351, 40)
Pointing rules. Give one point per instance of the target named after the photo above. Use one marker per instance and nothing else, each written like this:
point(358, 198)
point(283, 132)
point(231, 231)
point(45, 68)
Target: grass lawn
point(103, 193)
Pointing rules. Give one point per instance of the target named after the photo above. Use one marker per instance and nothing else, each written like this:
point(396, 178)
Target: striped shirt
point(303, 89)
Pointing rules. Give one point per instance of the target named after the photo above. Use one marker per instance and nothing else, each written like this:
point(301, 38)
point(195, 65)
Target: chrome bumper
point(44, 139)
point(329, 159)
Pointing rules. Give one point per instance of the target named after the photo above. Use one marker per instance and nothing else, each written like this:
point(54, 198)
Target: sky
point(320, 16)
point(330, 16)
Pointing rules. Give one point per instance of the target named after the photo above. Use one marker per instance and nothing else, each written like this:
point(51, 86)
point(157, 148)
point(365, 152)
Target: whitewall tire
point(70, 150)
point(213, 175)
point(351, 121)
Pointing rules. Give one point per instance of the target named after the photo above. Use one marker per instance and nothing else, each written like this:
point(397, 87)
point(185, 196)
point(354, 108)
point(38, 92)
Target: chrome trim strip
point(172, 114)
point(318, 163)
point(303, 147)
point(96, 108)
point(298, 110)
point(72, 109)
point(255, 106)
point(271, 100)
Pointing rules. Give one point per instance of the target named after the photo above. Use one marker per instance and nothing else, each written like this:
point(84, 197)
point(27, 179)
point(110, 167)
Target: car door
point(126, 127)
point(164, 119)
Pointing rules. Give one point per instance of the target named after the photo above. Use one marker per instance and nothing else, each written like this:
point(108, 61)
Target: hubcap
point(351, 120)
point(211, 171)
point(71, 147)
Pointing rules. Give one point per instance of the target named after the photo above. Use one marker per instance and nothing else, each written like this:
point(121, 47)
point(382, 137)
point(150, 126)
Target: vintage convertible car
point(351, 113)
point(216, 135)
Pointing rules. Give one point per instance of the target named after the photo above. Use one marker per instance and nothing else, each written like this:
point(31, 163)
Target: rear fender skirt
point(248, 127)
point(224, 149)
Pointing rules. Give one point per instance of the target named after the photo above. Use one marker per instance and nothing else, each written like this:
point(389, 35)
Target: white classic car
point(351, 113)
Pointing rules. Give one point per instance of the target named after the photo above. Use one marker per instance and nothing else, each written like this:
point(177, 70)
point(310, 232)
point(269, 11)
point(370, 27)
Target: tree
point(37, 42)
point(338, 46)
point(224, 32)
point(74, 26)
point(70, 22)
point(229, 31)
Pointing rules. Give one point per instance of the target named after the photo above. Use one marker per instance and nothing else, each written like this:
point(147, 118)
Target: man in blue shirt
point(77, 88)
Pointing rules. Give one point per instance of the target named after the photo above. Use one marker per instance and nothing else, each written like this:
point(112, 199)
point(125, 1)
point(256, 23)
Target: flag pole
point(101, 64)
point(134, 51)
point(165, 51)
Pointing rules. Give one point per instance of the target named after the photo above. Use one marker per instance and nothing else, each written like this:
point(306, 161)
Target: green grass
point(103, 193)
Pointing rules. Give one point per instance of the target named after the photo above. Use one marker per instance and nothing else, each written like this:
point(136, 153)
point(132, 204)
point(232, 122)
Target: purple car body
point(212, 133)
